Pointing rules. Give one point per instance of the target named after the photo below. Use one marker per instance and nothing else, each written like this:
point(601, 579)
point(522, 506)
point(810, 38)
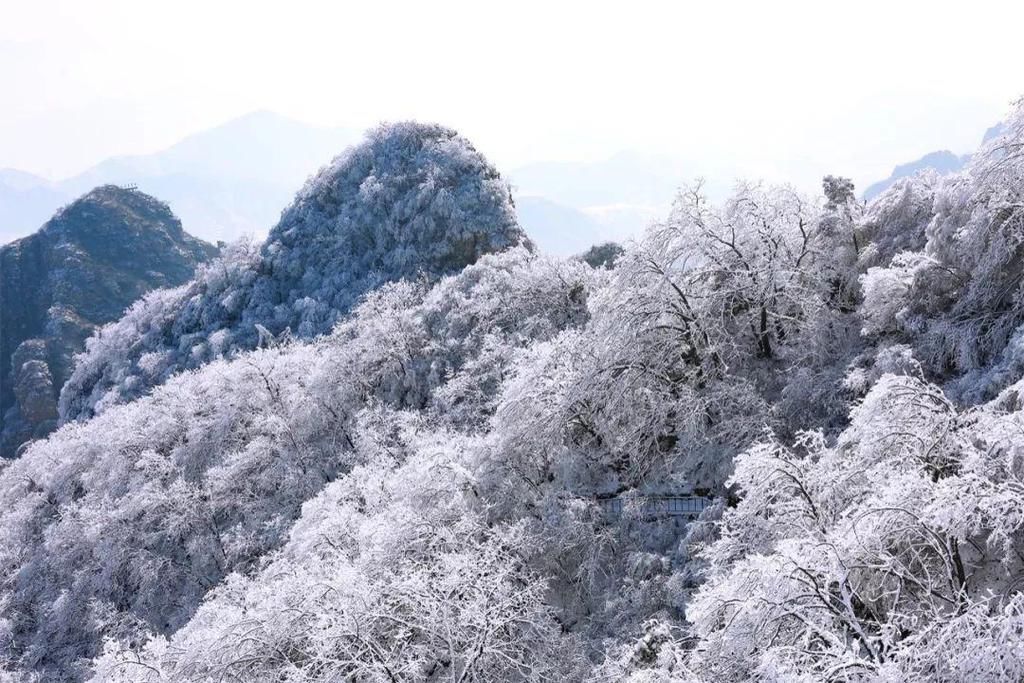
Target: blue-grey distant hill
point(942, 162)
point(557, 228)
point(225, 182)
point(236, 178)
point(568, 206)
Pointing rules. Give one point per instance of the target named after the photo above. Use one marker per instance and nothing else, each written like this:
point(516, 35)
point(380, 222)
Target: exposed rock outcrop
point(80, 270)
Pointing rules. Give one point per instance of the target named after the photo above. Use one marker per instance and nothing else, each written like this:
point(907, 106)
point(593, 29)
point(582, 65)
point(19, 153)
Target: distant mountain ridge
point(223, 183)
point(26, 201)
point(942, 162)
point(569, 206)
point(234, 179)
point(624, 178)
point(80, 270)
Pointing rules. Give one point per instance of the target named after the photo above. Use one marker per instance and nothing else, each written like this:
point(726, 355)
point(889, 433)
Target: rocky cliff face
point(80, 270)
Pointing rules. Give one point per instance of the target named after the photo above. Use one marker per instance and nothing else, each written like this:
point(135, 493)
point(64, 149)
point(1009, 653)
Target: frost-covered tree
point(683, 354)
point(391, 574)
point(602, 255)
point(956, 297)
point(756, 257)
point(865, 559)
point(117, 526)
point(897, 220)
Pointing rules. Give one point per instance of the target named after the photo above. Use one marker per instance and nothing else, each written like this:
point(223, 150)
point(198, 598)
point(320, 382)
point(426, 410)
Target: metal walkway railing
point(655, 505)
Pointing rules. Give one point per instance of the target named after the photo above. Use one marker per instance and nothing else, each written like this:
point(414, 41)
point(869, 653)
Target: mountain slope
point(80, 270)
point(232, 180)
point(777, 438)
point(881, 544)
point(412, 201)
point(224, 457)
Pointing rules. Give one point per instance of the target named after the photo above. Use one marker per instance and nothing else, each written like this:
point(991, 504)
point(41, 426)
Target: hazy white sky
point(777, 89)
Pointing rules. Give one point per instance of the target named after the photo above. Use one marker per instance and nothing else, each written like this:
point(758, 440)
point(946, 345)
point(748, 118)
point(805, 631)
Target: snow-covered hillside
point(413, 201)
point(409, 485)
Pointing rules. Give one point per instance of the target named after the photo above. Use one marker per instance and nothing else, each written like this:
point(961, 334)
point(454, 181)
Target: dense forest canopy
point(376, 447)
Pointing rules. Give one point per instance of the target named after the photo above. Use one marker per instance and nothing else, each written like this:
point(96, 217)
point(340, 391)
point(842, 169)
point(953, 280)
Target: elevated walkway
point(663, 505)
